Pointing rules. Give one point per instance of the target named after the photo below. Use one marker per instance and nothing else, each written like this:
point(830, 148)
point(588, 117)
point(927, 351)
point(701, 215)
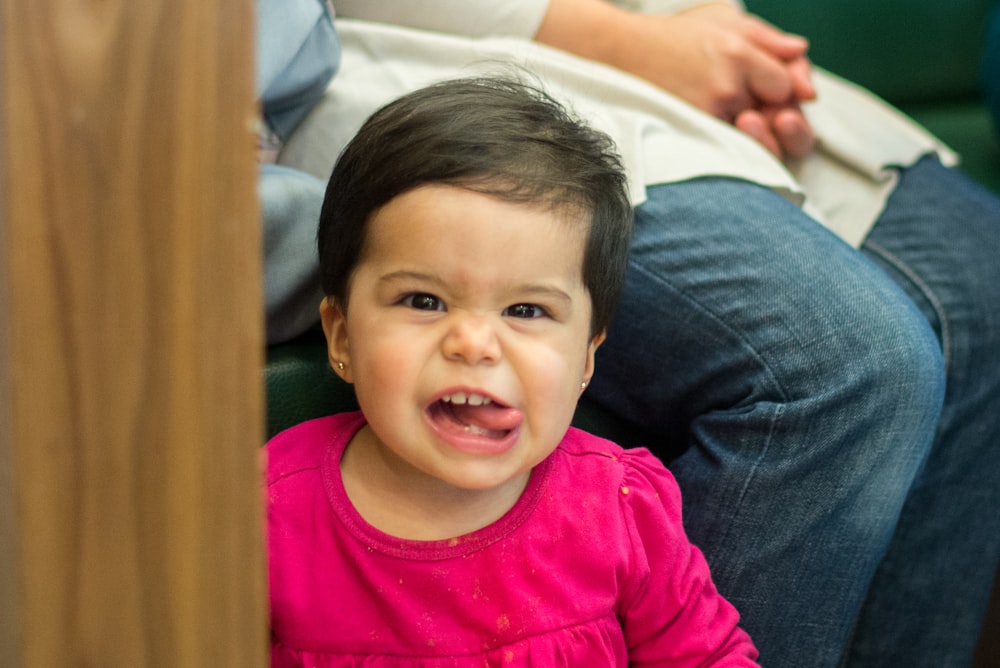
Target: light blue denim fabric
point(797, 389)
point(297, 56)
point(290, 202)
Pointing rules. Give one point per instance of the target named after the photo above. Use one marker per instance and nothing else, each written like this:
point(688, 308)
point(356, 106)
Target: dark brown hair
point(498, 136)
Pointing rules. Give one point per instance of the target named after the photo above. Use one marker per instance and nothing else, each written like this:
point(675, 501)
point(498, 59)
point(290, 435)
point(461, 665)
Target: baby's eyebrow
point(410, 275)
point(523, 292)
point(544, 292)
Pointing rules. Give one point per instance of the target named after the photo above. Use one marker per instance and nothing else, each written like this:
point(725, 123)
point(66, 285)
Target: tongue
point(488, 416)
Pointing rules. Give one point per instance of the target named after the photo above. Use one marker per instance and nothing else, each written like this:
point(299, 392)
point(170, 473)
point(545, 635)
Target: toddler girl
point(473, 241)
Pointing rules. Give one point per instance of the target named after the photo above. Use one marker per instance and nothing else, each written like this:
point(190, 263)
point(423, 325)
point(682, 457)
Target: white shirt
point(843, 184)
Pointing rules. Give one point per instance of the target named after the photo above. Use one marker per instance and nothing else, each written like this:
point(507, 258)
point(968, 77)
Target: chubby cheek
point(387, 362)
point(553, 385)
point(382, 372)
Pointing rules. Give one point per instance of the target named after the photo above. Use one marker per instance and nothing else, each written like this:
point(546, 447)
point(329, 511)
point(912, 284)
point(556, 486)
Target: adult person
point(810, 318)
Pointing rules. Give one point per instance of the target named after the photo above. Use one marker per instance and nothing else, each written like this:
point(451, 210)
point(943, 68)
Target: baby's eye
point(423, 302)
point(526, 311)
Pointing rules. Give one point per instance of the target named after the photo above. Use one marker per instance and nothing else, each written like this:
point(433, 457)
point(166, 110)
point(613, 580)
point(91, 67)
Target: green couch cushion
point(906, 51)
point(967, 127)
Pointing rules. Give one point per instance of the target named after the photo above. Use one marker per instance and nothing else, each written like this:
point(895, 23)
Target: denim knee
point(735, 298)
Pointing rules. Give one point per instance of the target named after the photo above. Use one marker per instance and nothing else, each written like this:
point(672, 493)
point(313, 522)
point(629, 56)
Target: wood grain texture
point(131, 341)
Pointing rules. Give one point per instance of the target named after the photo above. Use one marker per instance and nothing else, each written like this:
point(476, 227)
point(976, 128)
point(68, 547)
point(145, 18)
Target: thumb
point(768, 79)
point(800, 71)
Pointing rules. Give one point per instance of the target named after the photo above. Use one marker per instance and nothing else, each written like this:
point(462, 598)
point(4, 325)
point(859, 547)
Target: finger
point(768, 79)
point(793, 132)
point(753, 123)
point(789, 48)
point(800, 71)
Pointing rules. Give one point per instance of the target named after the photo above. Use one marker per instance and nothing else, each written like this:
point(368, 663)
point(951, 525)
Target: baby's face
point(467, 334)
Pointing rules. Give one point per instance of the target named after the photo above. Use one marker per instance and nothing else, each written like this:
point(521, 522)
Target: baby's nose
point(472, 339)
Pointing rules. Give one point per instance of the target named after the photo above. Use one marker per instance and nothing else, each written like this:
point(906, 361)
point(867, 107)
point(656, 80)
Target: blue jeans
point(797, 389)
point(290, 201)
point(297, 54)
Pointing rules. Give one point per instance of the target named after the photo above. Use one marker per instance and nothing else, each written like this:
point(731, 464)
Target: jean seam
point(925, 289)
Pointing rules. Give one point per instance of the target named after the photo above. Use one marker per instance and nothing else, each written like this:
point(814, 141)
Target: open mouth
point(464, 415)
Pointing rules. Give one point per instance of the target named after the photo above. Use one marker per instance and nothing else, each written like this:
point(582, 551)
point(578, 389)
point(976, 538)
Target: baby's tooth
point(463, 398)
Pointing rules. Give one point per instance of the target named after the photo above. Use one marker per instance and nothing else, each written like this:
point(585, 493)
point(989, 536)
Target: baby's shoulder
point(633, 474)
point(304, 446)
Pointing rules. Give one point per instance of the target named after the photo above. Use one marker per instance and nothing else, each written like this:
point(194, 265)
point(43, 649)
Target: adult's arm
point(715, 56)
point(517, 18)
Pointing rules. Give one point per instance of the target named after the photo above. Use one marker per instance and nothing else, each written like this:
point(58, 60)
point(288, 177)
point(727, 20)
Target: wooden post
point(131, 337)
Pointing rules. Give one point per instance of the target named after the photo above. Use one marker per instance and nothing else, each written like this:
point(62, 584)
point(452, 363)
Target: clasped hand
point(722, 60)
point(744, 70)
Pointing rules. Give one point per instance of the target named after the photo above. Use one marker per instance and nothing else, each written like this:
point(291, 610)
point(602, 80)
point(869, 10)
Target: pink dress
point(590, 568)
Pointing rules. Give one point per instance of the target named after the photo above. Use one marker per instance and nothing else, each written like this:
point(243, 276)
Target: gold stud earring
point(340, 365)
point(583, 385)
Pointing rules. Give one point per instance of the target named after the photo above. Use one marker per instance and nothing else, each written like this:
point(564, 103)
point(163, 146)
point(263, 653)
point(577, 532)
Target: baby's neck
point(417, 507)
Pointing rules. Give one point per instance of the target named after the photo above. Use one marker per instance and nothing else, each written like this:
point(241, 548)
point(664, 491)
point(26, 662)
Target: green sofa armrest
point(300, 384)
point(906, 52)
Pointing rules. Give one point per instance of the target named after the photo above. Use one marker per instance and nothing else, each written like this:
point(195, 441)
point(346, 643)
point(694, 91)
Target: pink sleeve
point(671, 609)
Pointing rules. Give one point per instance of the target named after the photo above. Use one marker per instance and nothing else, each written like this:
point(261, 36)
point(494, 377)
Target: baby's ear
point(595, 343)
point(338, 348)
